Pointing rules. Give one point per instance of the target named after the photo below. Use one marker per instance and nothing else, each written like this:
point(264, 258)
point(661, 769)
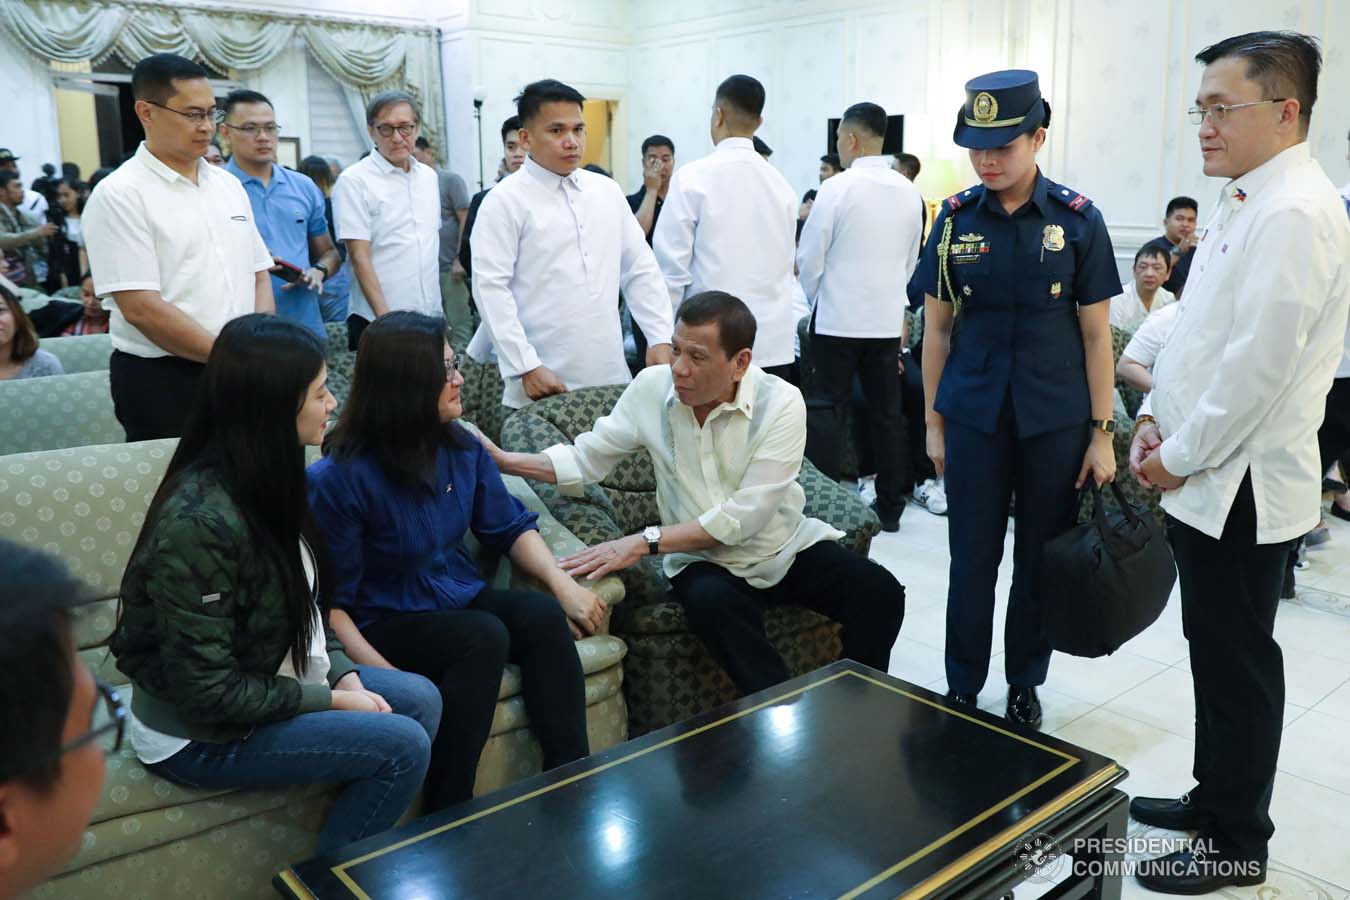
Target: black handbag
point(1105, 580)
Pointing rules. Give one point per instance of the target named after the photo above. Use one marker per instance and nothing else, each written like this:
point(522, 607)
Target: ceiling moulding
point(318, 13)
point(775, 11)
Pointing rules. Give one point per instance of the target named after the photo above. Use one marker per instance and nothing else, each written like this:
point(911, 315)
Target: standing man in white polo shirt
point(1238, 394)
point(729, 223)
point(552, 246)
point(387, 210)
point(859, 247)
point(173, 249)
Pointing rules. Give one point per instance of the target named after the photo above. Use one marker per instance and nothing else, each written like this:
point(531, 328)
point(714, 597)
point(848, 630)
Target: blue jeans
point(380, 759)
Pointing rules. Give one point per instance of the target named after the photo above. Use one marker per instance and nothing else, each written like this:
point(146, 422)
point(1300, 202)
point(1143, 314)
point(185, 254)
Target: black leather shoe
point(1340, 513)
point(1178, 814)
point(1193, 871)
point(961, 699)
point(889, 524)
point(1024, 707)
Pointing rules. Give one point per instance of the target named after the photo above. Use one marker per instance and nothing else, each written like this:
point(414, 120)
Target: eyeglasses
point(451, 368)
point(109, 725)
point(388, 130)
point(1219, 111)
point(253, 131)
point(195, 116)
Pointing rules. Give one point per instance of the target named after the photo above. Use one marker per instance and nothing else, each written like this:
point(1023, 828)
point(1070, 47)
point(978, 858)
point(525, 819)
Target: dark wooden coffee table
point(844, 783)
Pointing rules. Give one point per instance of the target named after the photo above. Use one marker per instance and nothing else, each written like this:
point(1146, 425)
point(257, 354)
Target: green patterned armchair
point(150, 837)
point(80, 353)
point(669, 675)
point(57, 411)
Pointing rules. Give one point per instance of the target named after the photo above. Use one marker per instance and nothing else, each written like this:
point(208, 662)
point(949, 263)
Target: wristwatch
point(652, 535)
point(1105, 426)
point(322, 268)
point(1145, 420)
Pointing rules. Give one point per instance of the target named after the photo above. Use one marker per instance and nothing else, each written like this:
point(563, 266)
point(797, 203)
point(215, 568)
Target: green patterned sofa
point(669, 675)
point(57, 411)
point(150, 838)
point(80, 353)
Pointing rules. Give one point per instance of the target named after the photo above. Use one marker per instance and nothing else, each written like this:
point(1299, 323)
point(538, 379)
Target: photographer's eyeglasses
point(108, 726)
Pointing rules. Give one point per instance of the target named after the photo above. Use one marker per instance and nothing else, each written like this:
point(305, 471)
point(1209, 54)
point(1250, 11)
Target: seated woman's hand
point(360, 701)
point(585, 611)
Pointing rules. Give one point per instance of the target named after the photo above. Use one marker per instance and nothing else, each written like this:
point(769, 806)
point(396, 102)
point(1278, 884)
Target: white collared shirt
point(400, 214)
point(859, 247)
point(550, 255)
point(729, 223)
point(736, 474)
point(147, 228)
point(1242, 381)
point(1127, 310)
point(1151, 335)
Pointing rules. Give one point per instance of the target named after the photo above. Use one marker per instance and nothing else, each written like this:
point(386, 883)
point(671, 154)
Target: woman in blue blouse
point(398, 489)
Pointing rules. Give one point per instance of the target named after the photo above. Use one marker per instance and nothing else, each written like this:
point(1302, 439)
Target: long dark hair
point(242, 428)
point(392, 411)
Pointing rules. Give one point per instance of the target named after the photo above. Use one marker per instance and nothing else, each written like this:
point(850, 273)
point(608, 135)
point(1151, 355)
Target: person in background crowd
point(552, 247)
point(57, 724)
point(729, 224)
point(1137, 359)
point(763, 149)
point(408, 593)
point(454, 210)
point(61, 318)
point(34, 203)
point(1178, 241)
point(23, 238)
point(829, 167)
point(388, 212)
point(239, 681)
point(173, 248)
point(907, 164)
point(858, 250)
point(71, 172)
point(333, 299)
point(725, 439)
point(334, 166)
point(99, 175)
point(1144, 294)
point(20, 356)
point(287, 206)
point(214, 155)
point(658, 164)
point(513, 157)
point(1018, 269)
point(1239, 392)
point(67, 260)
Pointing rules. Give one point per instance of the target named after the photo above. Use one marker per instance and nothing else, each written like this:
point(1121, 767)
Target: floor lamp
point(479, 95)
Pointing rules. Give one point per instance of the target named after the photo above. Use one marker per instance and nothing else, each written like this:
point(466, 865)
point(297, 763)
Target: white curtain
point(362, 57)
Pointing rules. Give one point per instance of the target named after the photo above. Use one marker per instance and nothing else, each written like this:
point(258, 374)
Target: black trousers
point(356, 326)
point(789, 372)
point(152, 396)
point(873, 361)
point(916, 431)
point(1230, 588)
point(1333, 438)
point(463, 651)
point(984, 472)
point(727, 613)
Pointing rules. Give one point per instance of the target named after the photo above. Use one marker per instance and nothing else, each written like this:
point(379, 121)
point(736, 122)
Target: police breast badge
point(1053, 238)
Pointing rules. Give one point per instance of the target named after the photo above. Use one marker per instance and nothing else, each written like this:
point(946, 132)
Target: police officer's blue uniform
point(1014, 392)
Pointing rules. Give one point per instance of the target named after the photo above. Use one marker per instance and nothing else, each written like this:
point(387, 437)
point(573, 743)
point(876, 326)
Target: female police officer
point(1017, 375)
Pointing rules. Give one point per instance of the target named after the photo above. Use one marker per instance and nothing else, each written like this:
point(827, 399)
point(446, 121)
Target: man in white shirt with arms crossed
point(729, 223)
point(726, 441)
point(173, 249)
point(1238, 394)
point(552, 246)
point(859, 247)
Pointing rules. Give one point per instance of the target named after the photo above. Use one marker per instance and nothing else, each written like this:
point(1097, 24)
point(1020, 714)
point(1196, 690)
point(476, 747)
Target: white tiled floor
point(1137, 706)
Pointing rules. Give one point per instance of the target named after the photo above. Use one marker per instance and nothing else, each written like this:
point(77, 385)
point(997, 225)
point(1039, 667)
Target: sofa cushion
point(80, 353)
point(57, 411)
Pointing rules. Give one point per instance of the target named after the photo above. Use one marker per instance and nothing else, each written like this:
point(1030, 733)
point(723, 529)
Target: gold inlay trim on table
point(943, 876)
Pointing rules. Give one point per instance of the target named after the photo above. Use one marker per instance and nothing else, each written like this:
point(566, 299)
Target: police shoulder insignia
point(964, 198)
point(1075, 201)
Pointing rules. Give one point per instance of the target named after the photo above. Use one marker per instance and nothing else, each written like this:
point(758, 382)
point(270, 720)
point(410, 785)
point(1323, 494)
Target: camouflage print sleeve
point(201, 607)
